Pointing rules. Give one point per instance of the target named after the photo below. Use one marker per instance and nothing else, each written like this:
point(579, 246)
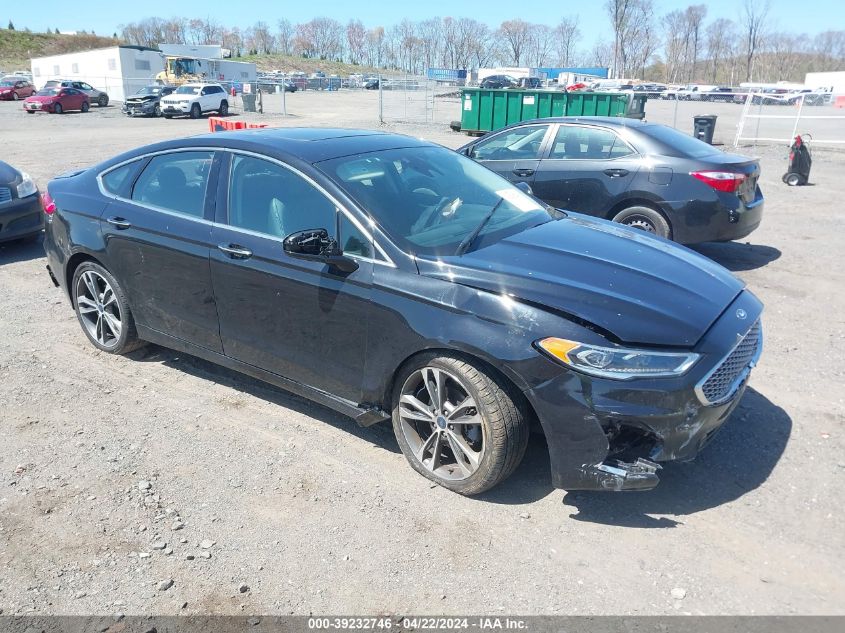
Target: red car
point(57, 101)
point(14, 88)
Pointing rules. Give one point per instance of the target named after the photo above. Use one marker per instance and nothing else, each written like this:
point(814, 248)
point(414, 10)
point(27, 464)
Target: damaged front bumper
point(611, 435)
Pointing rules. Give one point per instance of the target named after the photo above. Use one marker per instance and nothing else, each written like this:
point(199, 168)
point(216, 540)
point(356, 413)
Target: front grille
point(5, 194)
point(724, 381)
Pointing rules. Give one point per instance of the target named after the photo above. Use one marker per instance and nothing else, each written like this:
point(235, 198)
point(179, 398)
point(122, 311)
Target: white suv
point(194, 99)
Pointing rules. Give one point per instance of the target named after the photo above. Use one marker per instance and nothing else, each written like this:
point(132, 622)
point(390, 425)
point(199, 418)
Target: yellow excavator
point(181, 70)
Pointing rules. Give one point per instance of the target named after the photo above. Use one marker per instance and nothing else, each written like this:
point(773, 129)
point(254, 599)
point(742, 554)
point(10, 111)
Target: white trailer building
point(119, 70)
point(833, 82)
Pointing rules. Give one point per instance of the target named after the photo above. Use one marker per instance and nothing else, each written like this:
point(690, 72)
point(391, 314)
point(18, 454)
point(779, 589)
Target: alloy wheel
point(441, 423)
point(98, 307)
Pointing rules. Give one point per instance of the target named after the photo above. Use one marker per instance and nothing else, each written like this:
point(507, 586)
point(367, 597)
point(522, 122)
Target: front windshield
point(188, 90)
point(430, 199)
point(149, 90)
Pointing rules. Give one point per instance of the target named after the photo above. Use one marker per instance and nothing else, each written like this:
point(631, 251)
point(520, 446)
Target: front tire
point(15, 96)
point(457, 424)
point(157, 111)
point(645, 219)
point(196, 112)
point(103, 311)
point(224, 108)
point(57, 109)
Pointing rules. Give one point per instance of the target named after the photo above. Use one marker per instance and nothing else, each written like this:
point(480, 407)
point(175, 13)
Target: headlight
point(26, 187)
point(617, 363)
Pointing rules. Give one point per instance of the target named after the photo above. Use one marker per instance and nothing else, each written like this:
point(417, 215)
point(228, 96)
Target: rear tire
point(102, 101)
point(793, 180)
point(474, 439)
point(103, 311)
point(196, 112)
point(645, 219)
point(85, 107)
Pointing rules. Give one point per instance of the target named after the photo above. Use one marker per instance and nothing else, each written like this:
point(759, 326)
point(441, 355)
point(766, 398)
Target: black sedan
point(147, 101)
point(643, 175)
point(390, 278)
point(20, 206)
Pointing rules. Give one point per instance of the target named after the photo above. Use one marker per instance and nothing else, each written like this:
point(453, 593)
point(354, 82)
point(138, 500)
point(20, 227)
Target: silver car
point(94, 96)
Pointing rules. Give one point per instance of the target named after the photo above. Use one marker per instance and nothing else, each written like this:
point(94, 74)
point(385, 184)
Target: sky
point(105, 18)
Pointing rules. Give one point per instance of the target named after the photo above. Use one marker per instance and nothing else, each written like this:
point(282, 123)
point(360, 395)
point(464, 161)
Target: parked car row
point(57, 96)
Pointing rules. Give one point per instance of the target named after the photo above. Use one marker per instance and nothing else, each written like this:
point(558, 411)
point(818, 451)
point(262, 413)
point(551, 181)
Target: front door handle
point(616, 173)
point(119, 223)
point(523, 173)
point(235, 251)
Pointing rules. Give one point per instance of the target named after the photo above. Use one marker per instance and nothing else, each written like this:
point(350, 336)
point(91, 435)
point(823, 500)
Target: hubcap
point(98, 308)
point(637, 222)
point(441, 423)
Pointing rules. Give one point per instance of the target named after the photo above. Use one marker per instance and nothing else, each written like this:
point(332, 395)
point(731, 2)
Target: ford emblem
point(741, 314)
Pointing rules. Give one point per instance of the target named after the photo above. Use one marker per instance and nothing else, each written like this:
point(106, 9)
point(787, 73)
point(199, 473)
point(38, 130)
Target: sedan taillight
point(47, 203)
point(726, 181)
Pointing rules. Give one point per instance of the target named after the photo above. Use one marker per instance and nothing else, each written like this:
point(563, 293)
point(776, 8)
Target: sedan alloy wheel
point(441, 423)
point(99, 311)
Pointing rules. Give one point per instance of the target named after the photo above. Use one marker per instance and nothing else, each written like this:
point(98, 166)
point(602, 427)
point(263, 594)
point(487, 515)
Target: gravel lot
point(161, 484)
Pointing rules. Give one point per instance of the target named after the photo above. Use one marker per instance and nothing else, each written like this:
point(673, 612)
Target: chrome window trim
point(338, 207)
point(387, 261)
point(742, 376)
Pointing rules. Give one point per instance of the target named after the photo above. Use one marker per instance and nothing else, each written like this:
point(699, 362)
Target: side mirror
point(316, 244)
point(524, 187)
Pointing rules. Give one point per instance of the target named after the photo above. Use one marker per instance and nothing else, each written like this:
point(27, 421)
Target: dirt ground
point(118, 474)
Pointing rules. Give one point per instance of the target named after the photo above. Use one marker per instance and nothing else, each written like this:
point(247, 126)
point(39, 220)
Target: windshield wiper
point(465, 244)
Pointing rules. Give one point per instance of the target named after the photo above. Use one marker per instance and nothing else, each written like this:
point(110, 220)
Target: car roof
point(312, 145)
point(607, 121)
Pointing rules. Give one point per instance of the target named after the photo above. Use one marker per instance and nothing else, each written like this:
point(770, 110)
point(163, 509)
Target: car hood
point(42, 98)
point(142, 98)
point(640, 289)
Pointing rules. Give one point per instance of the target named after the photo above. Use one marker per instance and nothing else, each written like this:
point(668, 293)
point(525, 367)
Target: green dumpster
point(484, 110)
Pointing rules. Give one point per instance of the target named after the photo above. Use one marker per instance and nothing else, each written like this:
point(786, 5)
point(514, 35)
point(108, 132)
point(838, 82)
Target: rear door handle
point(616, 173)
point(235, 251)
point(119, 223)
point(523, 173)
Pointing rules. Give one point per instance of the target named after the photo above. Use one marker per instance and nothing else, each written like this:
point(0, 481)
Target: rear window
point(677, 143)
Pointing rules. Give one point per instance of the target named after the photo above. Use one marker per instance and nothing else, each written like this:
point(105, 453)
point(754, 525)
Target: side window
point(520, 143)
point(574, 142)
point(116, 181)
point(176, 182)
point(271, 199)
point(354, 242)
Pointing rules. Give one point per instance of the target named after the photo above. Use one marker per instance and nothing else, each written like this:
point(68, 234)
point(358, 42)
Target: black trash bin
point(703, 127)
point(249, 102)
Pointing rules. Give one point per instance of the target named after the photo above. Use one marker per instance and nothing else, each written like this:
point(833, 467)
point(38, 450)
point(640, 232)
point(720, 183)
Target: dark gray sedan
point(644, 175)
point(20, 205)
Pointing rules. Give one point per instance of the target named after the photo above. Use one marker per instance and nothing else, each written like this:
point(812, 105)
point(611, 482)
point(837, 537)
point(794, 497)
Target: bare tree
point(515, 34)
point(694, 15)
point(567, 35)
point(285, 36)
point(718, 36)
point(753, 20)
point(355, 38)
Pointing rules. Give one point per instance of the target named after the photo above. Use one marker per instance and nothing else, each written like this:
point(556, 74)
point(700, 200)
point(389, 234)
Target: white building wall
point(117, 70)
point(828, 81)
